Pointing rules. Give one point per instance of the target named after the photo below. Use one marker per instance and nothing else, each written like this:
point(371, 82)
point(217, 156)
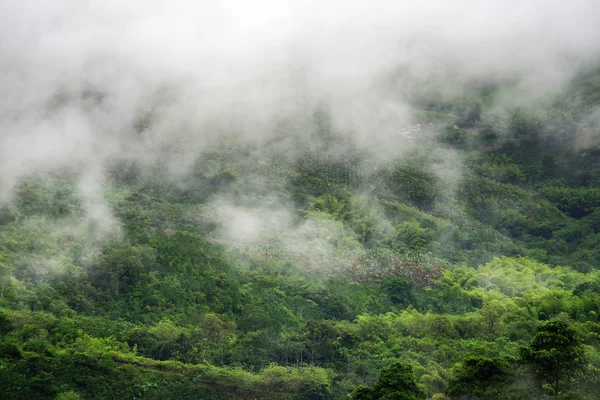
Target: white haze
point(207, 67)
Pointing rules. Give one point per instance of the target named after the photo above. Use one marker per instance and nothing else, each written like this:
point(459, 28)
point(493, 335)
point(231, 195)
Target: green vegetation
point(394, 382)
point(467, 269)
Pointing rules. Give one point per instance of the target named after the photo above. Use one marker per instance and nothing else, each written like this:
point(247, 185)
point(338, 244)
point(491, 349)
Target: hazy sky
point(197, 64)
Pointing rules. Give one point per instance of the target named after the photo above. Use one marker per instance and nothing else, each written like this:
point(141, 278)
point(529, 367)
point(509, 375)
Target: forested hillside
point(299, 200)
point(465, 268)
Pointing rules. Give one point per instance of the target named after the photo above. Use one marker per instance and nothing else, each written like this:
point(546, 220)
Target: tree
point(411, 181)
point(121, 267)
point(320, 338)
point(400, 291)
point(478, 378)
point(556, 355)
point(492, 312)
point(5, 275)
point(395, 382)
point(313, 391)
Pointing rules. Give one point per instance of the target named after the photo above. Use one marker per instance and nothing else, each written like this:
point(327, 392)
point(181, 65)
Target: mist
point(86, 84)
point(299, 199)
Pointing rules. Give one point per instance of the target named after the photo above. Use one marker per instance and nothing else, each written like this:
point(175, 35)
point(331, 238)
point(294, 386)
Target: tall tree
point(478, 378)
point(556, 355)
point(395, 382)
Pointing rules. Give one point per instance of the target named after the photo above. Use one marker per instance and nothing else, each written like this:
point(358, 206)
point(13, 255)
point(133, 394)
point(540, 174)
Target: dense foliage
point(401, 278)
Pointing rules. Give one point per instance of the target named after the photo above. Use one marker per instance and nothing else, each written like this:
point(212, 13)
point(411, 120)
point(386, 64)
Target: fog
point(77, 77)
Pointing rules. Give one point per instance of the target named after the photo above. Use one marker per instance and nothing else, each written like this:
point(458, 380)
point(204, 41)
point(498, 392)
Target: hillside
point(299, 200)
point(267, 274)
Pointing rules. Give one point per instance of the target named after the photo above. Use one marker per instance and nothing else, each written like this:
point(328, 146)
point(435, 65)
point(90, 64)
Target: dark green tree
point(313, 391)
point(400, 291)
point(556, 355)
point(395, 382)
point(320, 338)
point(478, 378)
point(5, 275)
point(410, 181)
